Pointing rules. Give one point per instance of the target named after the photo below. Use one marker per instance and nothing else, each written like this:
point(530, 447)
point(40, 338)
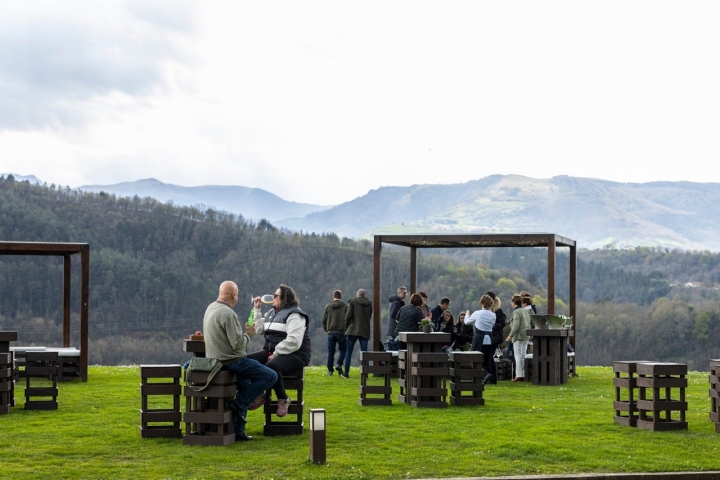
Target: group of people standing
point(346, 325)
point(287, 348)
point(484, 330)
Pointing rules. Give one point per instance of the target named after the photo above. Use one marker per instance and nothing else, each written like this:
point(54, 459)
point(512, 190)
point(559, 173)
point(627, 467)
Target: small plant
point(425, 321)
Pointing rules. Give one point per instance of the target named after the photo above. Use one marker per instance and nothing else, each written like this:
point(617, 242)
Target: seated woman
point(287, 343)
point(409, 318)
point(447, 322)
point(462, 334)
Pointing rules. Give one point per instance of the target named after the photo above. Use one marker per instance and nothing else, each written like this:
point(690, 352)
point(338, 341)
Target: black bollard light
point(317, 436)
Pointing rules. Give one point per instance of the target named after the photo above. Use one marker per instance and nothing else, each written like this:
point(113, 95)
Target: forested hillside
point(155, 267)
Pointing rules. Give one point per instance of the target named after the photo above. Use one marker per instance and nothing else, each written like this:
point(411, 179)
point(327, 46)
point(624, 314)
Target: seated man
point(225, 340)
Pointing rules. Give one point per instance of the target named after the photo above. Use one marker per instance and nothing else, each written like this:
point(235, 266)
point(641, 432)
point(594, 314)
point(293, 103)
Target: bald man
point(225, 340)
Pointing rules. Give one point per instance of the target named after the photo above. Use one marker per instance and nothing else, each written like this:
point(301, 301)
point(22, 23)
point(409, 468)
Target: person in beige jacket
point(519, 324)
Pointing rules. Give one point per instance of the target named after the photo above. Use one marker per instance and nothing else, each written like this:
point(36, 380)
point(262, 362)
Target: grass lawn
point(522, 429)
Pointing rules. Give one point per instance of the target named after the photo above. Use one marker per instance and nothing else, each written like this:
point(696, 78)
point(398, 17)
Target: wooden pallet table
point(160, 381)
point(378, 364)
point(402, 376)
point(657, 384)
point(292, 423)
point(196, 347)
point(550, 360)
point(207, 421)
point(503, 368)
point(625, 383)
point(466, 376)
point(426, 368)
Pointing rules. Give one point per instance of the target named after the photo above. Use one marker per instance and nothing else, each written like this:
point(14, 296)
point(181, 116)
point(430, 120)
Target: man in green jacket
point(357, 323)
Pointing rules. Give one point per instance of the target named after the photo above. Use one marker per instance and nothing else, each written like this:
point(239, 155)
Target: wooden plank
point(160, 371)
point(160, 416)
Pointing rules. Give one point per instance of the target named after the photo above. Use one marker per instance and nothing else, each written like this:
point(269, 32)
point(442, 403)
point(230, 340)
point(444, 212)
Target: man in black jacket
point(438, 311)
point(397, 301)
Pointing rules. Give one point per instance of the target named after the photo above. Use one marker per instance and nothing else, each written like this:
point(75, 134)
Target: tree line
point(154, 267)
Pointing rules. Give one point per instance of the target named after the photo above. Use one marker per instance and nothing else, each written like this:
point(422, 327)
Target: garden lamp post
point(317, 435)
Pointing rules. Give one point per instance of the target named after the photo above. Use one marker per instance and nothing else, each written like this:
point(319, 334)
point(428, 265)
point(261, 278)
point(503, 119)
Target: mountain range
point(596, 213)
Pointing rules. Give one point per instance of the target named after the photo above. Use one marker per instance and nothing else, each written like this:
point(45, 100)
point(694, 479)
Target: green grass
point(522, 429)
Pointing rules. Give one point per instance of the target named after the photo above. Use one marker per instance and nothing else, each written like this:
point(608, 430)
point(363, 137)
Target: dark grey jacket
point(357, 317)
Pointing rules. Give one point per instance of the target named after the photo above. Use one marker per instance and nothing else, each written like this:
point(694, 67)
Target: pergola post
point(413, 270)
point(551, 275)
point(377, 329)
point(67, 262)
point(84, 307)
point(573, 291)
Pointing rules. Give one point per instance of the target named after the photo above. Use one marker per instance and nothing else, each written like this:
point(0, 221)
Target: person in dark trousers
point(397, 301)
point(287, 342)
point(225, 340)
point(333, 323)
point(357, 321)
point(484, 320)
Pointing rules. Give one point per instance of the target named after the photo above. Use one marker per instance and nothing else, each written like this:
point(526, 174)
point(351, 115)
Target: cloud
point(60, 56)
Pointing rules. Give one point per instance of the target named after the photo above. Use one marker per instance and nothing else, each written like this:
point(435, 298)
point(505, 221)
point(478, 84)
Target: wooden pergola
point(66, 250)
point(549, 240)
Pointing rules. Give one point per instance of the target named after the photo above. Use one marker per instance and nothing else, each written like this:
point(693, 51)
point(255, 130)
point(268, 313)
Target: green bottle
point(251, 318)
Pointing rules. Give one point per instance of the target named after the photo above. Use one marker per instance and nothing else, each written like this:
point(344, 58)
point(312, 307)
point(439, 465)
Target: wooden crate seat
point(207, 421)
point(41, 365)
point(160, 381)
point(466, 375)
point(625, 384)
point(661, 389)
point(292, 423)
point(378, 364)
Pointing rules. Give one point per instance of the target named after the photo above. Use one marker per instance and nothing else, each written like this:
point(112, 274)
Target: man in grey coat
point(333, 323)
point(357, 321)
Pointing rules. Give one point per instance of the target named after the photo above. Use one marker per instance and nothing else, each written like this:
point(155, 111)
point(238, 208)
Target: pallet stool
point(466, 375)
point(403, 396)
point(378, 364)
point(656, 382)
point(714, 391)
point(273, 426)
point(68, 364)
point(626, 379)
point(7, 379)
point(164, 381)
point(41, 365)
point(428, 373)
point(503, 367)
point(7, 383)
point(207, 421)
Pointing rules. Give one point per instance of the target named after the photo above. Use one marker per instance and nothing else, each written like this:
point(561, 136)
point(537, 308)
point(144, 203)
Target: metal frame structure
point(66, 250)
point(549, 240)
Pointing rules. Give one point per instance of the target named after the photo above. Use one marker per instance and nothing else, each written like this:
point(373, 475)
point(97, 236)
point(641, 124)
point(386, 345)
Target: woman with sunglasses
point(287, 342)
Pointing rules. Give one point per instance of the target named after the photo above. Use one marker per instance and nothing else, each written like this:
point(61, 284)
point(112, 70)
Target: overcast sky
point(320, 102)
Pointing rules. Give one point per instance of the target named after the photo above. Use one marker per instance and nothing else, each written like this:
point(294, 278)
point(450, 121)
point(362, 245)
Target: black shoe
point(242, 437)
point(339, 369)
point(487, 379)
point(232, 405)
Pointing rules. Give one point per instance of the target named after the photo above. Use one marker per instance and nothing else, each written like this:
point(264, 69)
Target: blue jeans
point(334, 338)
point(351, 339)
point(253, 378)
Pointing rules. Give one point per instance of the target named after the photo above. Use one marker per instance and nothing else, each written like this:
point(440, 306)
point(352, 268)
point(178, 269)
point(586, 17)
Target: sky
point(321, 102)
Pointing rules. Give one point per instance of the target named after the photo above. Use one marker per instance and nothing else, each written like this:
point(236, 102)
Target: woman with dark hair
point(287, 343)
point(462, 334)
point(409, 318)
point(447, 322)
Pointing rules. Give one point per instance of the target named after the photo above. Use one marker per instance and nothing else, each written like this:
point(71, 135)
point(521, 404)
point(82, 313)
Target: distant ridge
point(251, 203)
point(597, 213)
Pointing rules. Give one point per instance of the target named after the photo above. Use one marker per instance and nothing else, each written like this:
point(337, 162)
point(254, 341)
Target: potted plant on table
point(426, 325)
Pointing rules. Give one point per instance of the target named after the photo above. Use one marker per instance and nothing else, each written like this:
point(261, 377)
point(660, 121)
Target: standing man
point(438, 311)
point(357, 321)
point(225, 340)
point(397, 301)
point(333, 323)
